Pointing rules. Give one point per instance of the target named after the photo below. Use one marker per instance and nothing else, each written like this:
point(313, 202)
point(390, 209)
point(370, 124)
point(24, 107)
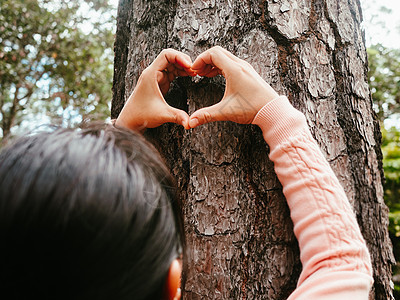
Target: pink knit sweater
point(335, 259)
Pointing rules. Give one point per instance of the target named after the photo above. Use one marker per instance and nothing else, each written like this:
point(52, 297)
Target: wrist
point(122, 122)
point(280, 121)
point(262, 98)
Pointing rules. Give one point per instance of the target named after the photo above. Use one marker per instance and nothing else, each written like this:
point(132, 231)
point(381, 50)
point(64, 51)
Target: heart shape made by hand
point(245, 92)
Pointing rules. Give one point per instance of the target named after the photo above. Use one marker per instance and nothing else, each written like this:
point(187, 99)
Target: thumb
point(208, 114)
point(179, 117)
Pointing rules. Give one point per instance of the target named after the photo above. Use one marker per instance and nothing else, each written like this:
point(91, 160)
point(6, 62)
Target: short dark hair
point(86, 214)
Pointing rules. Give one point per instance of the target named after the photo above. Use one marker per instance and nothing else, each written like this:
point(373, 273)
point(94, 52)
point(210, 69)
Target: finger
point(171, 76)
point(163, 82)
point(181, 68)
point(163, 78)
point(207, 69)
point(178, 116)
point(231, 55)
point(190, 72)
point(182, 73)
point(214, 72)
point(214, 57)
point(176, 66)
point(171, 56)
point(171, 68)
point(166, 77)
point(178, 70)
point(207, 115)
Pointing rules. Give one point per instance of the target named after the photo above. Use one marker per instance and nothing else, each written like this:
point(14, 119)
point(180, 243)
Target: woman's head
point(86, 214)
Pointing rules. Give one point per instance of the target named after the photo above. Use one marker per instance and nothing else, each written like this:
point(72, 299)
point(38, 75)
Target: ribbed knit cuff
point(279, 121)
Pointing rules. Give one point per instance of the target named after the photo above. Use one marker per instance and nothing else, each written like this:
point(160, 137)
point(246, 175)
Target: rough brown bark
point(240, 242)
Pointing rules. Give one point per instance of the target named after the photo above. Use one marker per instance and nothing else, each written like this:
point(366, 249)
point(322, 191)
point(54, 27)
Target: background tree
point(239, 234)
point(49, 65)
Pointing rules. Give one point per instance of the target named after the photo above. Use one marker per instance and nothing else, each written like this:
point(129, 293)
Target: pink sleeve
point(335, 259)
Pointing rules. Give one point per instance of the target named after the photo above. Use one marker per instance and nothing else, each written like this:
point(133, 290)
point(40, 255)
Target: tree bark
point(240, 241)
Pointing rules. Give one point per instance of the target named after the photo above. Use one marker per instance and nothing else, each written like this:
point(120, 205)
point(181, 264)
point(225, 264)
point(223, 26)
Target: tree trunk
point(240, 241)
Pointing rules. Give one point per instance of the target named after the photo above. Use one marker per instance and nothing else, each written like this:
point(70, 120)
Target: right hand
point(245, 93)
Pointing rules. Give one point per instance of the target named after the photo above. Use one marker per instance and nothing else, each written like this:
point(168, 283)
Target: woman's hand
point(146, 107)
point(245, 93)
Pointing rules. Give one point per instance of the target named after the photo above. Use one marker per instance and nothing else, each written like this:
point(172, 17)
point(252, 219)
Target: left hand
point(146, 107)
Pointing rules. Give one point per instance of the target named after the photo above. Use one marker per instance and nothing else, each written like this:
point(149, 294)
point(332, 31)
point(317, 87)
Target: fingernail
point(193, 122)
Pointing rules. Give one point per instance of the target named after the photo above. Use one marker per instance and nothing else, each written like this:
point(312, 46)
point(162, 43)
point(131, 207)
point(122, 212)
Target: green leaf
point(49, 66)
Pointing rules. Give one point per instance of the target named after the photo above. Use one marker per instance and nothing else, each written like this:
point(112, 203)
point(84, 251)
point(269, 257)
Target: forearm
point(330, 240)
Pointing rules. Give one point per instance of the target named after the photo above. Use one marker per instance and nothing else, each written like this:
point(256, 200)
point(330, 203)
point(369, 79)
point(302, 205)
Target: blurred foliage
point(391, 160)
point(384, 80)
point(49, 67)
point(391, 166)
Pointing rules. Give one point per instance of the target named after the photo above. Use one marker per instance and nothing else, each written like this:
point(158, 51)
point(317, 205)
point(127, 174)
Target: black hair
point(86, 214)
